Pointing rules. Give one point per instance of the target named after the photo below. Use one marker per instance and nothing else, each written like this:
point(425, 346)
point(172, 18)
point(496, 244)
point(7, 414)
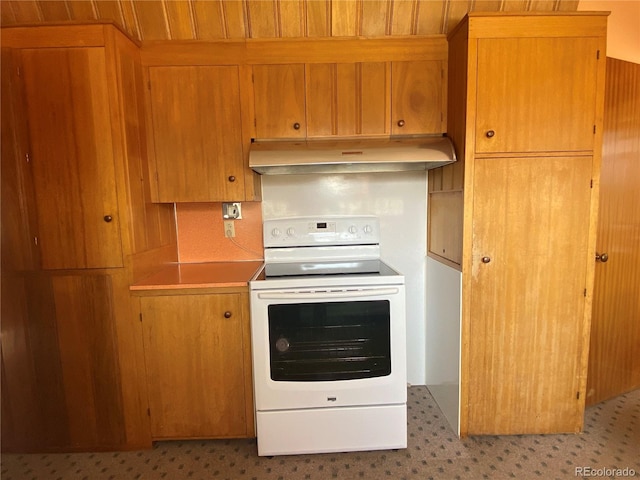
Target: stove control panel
point(317, 231)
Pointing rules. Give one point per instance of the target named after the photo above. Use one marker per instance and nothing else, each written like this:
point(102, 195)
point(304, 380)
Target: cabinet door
point(279, 101)
point(197, 134)
point(417, 102)
point(536, 94)
point(195, 365)
point(72, 157)
point(527, 312)
point(347, 99)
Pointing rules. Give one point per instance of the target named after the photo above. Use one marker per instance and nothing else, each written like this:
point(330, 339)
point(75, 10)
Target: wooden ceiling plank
point(130, 18)
point(487, 6)
point(54, 11)
point(208, 20)
point(542, 5)
point(180, 20)
point(292, 18)
point(515, 6)
point(152, 20)
point(375, 15)
point(403, 18)
point(344, 19)
point(318, 18)
point(235, 18)
point(110, 10)
point(567, 5)
point(26, 11)
point(81, 11)
point(457, 9)
point(262, 19)
point(430, 17)
point(7, 16)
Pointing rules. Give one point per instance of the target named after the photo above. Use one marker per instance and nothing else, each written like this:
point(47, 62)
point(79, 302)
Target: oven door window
point(330, 341)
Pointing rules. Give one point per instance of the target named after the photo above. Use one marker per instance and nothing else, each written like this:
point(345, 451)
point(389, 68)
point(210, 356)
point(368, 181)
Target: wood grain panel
point(614, 362)
point(72, 157)
point(445, 226)
point(185, 147)
point(403, 17)
point(212, 19)
point(195, 365)
point(262, 19)
point(89, 358)
point(291, 18)
point(236, 22)
point(374, 18)
point(375, 103)
point(318, 18)
point(556, 71)
point(279, 101)
point(345, 19)
point(528, 304)
point(416, 94)
point(152, 20)
point(321, 98)
point(180, 19)
point(209, 20)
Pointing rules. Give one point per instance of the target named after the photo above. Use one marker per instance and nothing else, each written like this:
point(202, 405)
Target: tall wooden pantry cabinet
point(78, 226)
point(525, 114)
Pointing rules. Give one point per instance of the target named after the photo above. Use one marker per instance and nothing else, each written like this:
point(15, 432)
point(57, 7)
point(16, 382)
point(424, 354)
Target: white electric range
point(328, 339)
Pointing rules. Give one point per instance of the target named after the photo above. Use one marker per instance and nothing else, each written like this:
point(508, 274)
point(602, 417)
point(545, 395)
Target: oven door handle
point(323, 294)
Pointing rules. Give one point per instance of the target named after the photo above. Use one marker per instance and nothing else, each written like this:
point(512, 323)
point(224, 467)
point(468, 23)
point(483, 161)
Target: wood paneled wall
point(236, 19)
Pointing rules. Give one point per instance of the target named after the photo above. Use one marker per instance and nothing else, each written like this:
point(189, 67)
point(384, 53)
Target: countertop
point(181, 276)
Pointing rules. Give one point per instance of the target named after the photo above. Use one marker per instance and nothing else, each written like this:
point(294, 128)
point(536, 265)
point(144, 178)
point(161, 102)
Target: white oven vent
point(276, 157)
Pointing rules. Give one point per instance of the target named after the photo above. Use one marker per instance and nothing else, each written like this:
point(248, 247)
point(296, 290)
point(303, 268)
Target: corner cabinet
point(525, 114)
point(197, 133)
point(198, 365)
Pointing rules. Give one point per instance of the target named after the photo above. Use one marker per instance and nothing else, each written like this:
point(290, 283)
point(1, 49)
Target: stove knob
point(353, 229)
point(291, 232)
point(275, 232)
point(368, 229)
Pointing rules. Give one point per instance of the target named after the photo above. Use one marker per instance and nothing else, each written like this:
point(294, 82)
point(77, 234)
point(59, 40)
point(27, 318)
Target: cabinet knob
point(401, 123)
point(232, 178)
point(486, 259)
point(490, 133)
point(296, 126)
point(602, 257)
point(227, 314)
point(108, 218)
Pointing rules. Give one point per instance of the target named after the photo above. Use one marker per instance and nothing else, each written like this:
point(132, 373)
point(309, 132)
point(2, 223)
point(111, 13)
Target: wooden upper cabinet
point(72, 157)
point(279, 101)
point(347, 99)
point(418, 99)
point(547, 103)
point(197, 133)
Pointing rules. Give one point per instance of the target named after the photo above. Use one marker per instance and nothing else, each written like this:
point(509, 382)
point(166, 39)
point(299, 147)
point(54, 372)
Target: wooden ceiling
point(237, 19)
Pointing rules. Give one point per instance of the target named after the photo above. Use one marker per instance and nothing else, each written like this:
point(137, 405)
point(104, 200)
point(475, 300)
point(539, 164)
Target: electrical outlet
point(229, 228)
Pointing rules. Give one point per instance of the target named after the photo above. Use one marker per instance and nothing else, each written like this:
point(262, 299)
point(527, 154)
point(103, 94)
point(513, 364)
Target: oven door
point(328, 347)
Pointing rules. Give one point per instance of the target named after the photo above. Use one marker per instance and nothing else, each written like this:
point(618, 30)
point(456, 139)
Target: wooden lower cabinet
point(197, 352)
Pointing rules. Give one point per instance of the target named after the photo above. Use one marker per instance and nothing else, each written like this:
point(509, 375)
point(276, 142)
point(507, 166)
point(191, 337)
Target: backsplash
point(201, 233)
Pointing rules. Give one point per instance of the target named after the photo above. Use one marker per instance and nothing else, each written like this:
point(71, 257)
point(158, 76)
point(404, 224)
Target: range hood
point(275, 157)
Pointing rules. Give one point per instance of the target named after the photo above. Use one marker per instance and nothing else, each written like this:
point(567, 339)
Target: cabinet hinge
point(148, 412)
point(585, 292)
point(598, 55)
point(140, 316)
point(594, 129)
point(591, 183)
point(149, 84)
point(18, 71)
point(578, 396)
point(27, 157)
point(35, 241)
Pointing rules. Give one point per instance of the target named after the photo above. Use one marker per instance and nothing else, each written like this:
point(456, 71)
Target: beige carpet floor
point(609, 445)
